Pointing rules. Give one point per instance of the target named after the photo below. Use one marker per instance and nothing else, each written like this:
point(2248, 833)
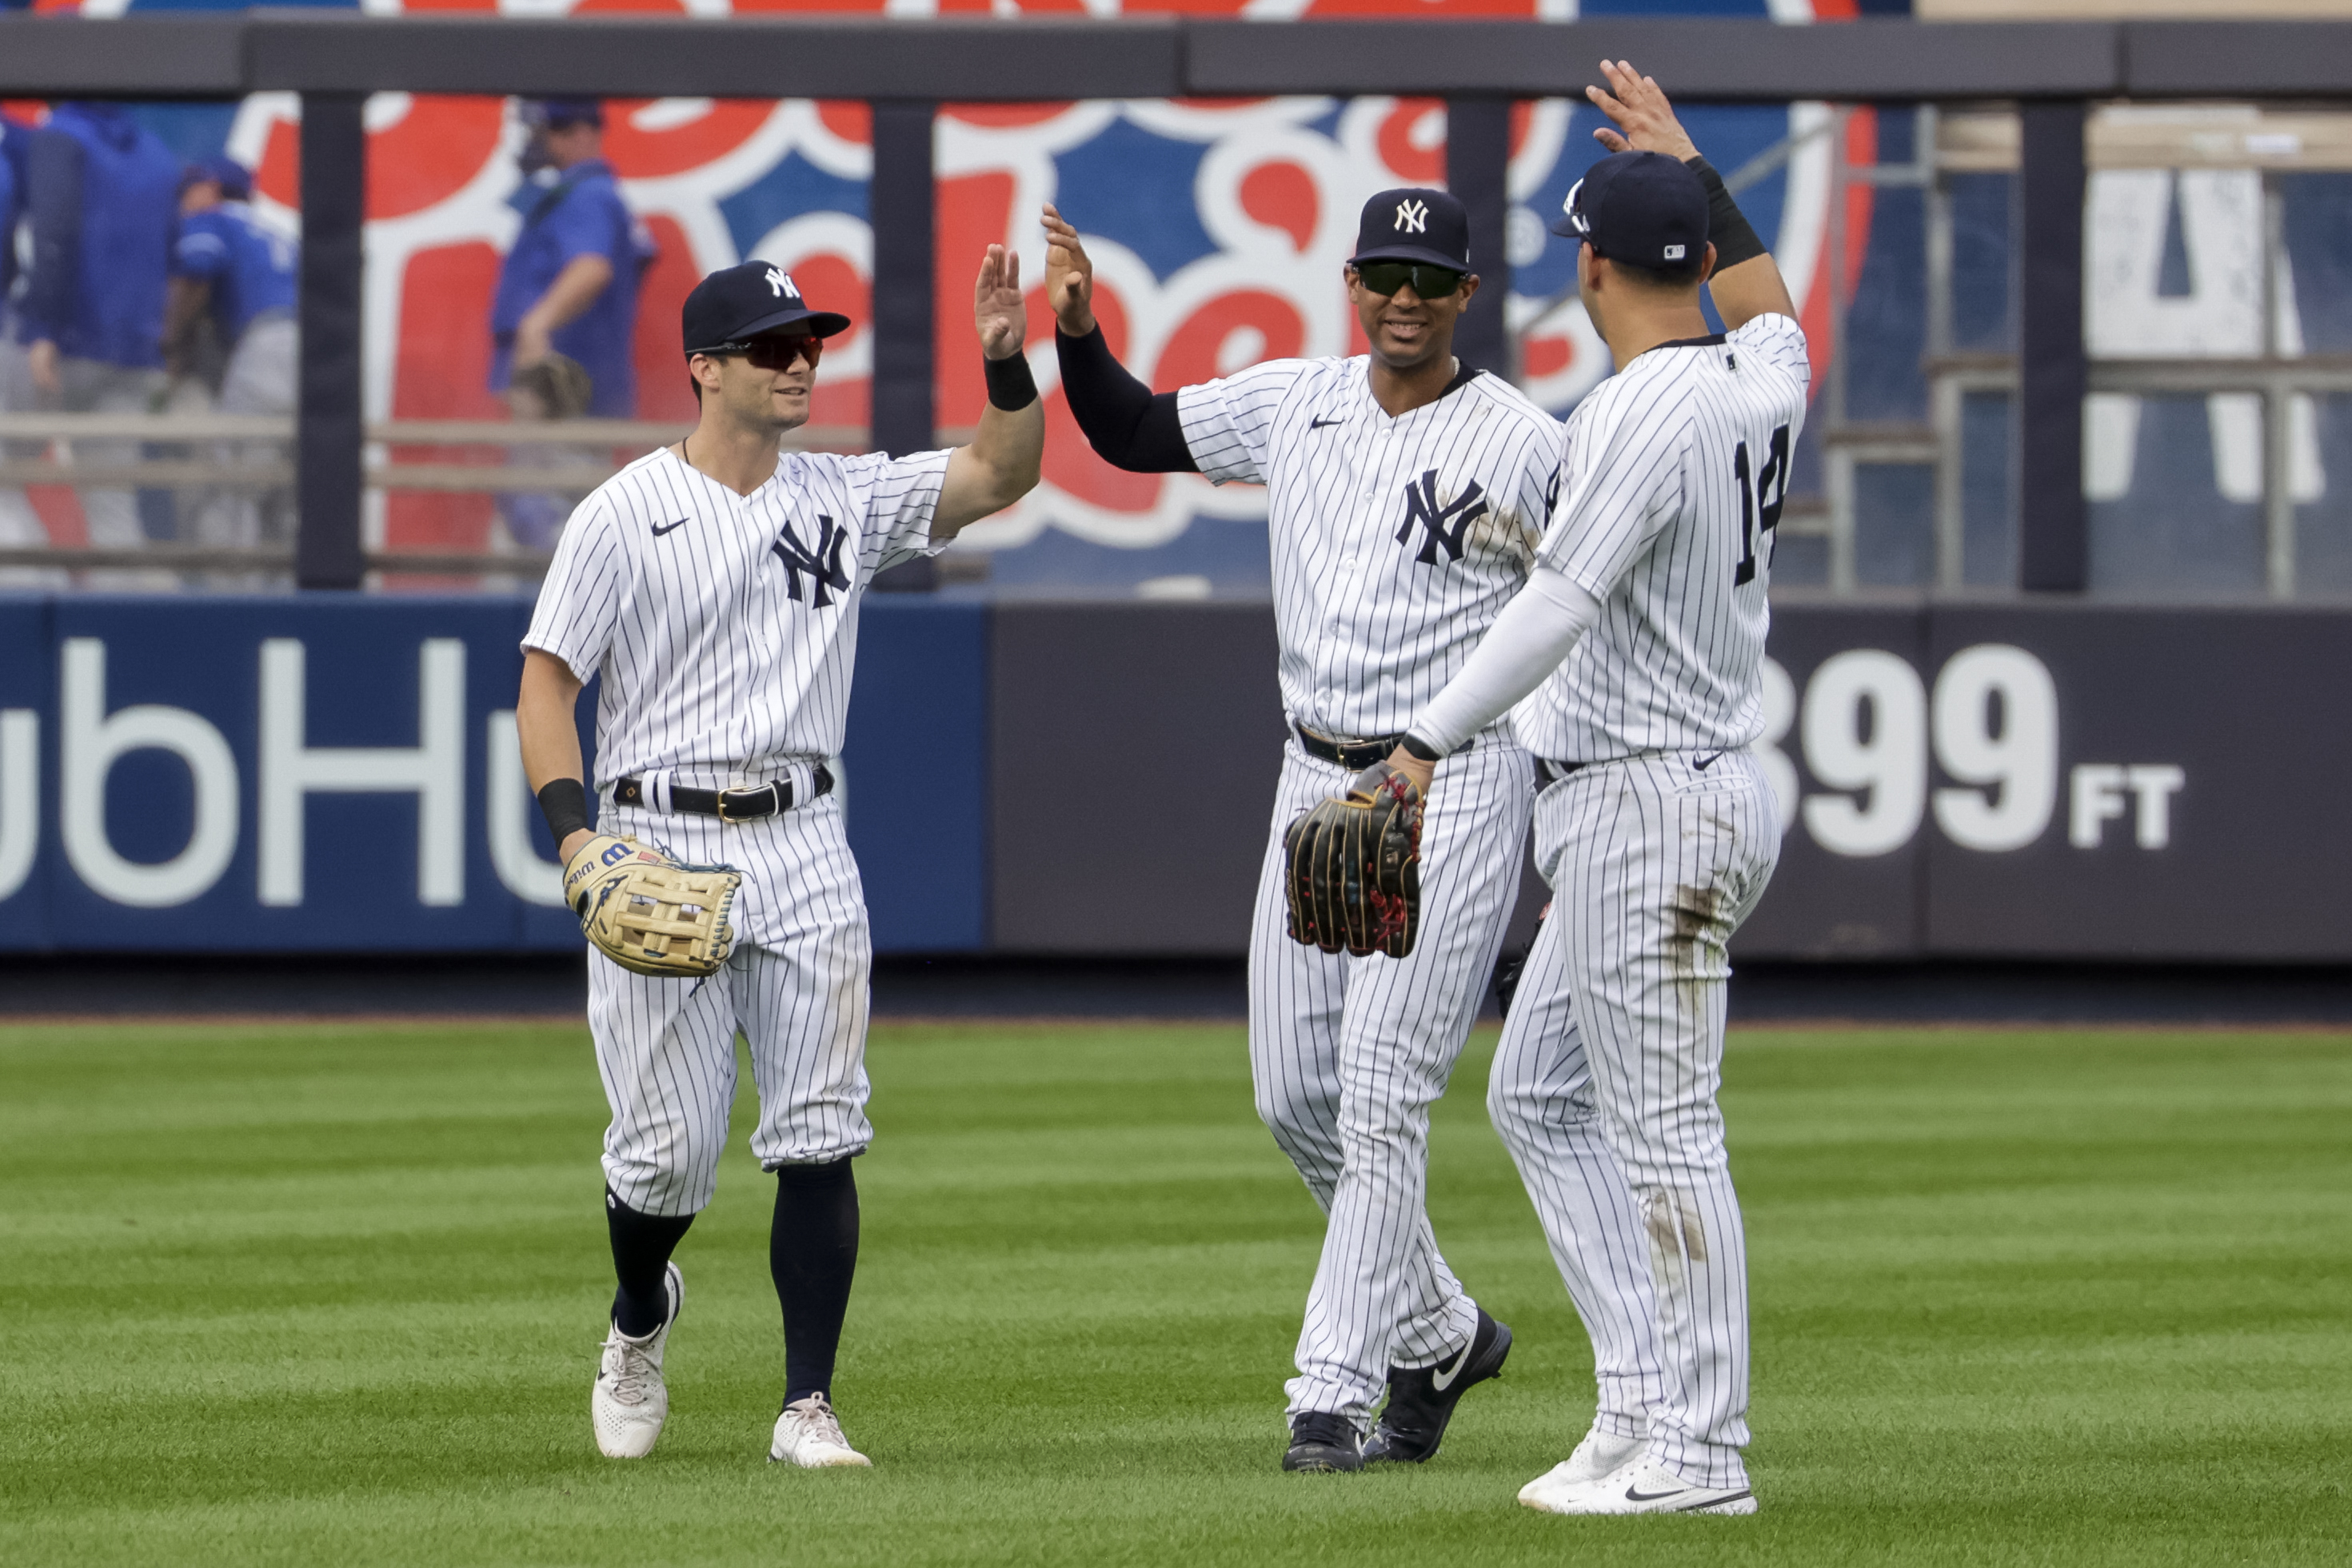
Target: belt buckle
point(725, 816)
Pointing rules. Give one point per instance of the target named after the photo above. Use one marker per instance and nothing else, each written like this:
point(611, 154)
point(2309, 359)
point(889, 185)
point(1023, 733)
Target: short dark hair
point(1663, 278)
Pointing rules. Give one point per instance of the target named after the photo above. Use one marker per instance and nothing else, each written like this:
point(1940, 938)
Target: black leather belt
point(1548, 773)
point(1354, 756)
point(771, 799)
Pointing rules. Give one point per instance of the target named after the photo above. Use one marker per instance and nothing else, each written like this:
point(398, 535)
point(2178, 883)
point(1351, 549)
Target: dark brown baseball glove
point(1353, 881)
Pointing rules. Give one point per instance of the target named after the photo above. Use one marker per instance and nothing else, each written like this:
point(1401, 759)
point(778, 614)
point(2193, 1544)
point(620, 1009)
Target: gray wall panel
point(1712, 60)
point(66, 57)
point(744, 57)
point(1134, 752)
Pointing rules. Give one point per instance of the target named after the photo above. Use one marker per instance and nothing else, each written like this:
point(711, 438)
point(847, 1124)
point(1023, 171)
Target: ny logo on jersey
point(1445, 523)
point(824, 566)
point(1412, 217)
point(781, 284)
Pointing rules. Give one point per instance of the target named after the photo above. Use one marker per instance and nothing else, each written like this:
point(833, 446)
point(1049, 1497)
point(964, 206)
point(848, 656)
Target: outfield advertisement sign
point(340, 773)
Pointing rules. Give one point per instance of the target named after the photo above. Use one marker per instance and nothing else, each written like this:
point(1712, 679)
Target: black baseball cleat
point(1320, 1441)
point(1422, 1398)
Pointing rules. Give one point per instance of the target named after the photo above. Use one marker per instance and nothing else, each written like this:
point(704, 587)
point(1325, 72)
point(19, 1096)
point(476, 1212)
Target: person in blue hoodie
point(569, 286)
point(102, 194)
point(229, 263)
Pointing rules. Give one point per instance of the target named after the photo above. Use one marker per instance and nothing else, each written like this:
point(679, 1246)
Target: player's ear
point(1469, 288)
point(1706, 264)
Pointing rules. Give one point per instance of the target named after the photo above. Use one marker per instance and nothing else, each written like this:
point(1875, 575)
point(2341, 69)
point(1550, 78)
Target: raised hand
point(1645, 120)
point(996, 306)
point(1069, 277)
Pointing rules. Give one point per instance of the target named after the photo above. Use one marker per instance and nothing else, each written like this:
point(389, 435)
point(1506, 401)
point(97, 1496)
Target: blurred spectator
point(550, 389)
point(18, 524)
point(244, 272)
point(570, 284)
point(102, 196)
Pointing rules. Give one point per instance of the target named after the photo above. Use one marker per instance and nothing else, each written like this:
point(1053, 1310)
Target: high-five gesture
point(996, 305)
point(1645, 120)
point(1069, 277)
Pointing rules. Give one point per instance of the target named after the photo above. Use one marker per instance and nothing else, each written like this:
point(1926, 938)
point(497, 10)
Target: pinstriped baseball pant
point(1347, 1055)
point(1604, 1086)
point(796, 985)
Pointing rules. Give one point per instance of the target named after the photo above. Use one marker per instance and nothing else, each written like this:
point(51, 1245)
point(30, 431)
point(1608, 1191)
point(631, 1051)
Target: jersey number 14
point(1760, 496)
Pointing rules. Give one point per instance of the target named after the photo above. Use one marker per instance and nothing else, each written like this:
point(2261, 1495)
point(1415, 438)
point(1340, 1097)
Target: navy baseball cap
point(235, 179)
point(736, 304)
point(556, 112)
point(1413, 224)
point(1640, 207)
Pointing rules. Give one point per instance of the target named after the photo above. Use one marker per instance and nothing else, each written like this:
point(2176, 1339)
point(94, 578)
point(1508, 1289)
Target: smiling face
point(1406, 331)
point(752, 397)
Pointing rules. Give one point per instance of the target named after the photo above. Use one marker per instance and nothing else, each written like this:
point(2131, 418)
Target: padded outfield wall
point(279, 774)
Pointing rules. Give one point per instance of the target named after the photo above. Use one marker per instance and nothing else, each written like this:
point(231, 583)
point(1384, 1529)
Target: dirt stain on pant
point(1701, 924)
point(1671, 1218)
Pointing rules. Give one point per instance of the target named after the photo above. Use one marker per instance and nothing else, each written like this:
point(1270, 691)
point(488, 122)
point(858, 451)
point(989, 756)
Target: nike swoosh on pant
point(1702, 763)
point(1444, 1378)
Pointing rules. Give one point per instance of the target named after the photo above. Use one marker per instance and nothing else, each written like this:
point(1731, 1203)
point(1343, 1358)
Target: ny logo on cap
point(1576, 218)
point(1412, 217)
point(782, 284)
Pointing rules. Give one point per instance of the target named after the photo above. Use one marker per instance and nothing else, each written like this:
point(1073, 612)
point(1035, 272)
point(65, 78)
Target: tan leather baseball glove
point(649, 913)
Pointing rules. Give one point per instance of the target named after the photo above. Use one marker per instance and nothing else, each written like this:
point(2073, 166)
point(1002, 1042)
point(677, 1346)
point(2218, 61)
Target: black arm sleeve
point(1734, 238)
point(1127, 423)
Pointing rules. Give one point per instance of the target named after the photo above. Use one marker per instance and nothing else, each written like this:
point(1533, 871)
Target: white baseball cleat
point(1600, 1454)
point(808, 1434)
point(631, 1401)
point(1643, 1486)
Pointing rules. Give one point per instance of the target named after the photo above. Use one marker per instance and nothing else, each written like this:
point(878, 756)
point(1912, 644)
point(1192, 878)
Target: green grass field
point(331, 1293)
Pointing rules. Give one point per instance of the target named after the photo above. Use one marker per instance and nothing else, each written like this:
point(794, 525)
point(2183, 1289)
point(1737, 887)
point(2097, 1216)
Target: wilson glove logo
point(823, 564)
point(1442, 524)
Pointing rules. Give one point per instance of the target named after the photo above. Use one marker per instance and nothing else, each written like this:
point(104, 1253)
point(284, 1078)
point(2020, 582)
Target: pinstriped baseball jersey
point(726, 625)
point(1396, 542)
point(1675, 471)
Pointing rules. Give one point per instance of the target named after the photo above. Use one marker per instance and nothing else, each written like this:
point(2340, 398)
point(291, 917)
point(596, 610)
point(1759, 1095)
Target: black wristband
point(1420, 749)
point(1734, 238)
point(564, 803)
point(1010, 386)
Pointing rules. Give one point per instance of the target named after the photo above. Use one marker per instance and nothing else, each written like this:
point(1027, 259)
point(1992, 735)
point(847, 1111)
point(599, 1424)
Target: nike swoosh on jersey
point(659, 530)
point(1319, 424)
point(1445, 1376)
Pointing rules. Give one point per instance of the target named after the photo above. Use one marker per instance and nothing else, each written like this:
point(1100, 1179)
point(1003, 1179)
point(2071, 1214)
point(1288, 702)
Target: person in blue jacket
point(570, 285)
point(102, 194)
point(226, 260)
point(18, 523)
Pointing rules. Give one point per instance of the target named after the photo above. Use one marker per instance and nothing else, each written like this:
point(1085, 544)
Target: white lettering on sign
point(434, 769)
point(92, 741)
point(1864, 730)
point(2009, 758)
point(20, 796)
point(2099, 797)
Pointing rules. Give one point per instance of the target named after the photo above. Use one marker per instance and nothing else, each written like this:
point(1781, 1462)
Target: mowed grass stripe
point(312, 1293)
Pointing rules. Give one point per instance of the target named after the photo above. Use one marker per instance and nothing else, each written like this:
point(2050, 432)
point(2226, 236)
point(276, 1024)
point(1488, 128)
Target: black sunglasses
point(1429, 282)
point(776, 352)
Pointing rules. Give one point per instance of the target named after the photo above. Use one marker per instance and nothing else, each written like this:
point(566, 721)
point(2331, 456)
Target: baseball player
point(1405, 494)
point(1637, 647)
point(715, 587)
